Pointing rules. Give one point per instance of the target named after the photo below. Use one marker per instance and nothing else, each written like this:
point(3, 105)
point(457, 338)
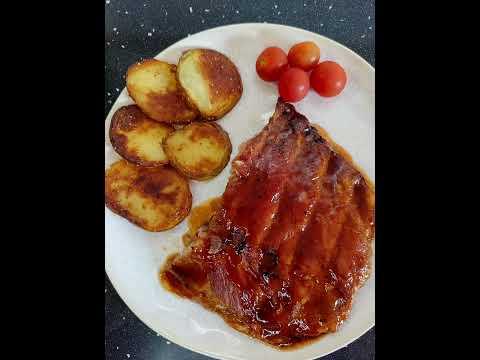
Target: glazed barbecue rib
point(283, 256)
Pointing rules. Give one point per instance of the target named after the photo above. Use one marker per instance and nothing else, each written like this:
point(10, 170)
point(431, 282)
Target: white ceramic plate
point(134, 256)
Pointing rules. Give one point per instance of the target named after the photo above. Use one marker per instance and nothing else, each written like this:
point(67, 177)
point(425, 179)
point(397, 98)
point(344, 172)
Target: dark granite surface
point(136, 29)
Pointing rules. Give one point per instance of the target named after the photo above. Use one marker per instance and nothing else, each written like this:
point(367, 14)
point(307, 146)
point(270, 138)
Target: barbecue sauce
point(283, 254)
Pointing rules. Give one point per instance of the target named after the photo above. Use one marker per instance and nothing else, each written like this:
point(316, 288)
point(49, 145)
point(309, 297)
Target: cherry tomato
point(328, 79)
point(293, 85)
point(285, 68)
point(270, 63)
point(304, 55)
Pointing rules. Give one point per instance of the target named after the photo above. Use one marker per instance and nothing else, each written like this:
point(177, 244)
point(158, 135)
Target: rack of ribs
point(282, 257)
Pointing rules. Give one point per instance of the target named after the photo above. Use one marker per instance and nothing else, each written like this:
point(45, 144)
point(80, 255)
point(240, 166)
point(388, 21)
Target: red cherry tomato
point(304, 55)
point(270, 63)
point(285, 68)
point(328, 79)
point(293, 85)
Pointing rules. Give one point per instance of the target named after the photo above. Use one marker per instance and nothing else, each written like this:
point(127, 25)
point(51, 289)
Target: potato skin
point(208, 71)
point(156, 199)
point(153, 85)
point(199, 151)
point(133, 135)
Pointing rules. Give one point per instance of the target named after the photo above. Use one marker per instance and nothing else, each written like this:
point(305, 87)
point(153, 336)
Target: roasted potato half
point(137, 138)
point(153, 85)
point(199, 151)
point(155, 199)
point(211, 82)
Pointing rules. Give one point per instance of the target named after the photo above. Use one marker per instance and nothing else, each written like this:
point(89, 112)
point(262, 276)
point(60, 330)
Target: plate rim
point(123, 297)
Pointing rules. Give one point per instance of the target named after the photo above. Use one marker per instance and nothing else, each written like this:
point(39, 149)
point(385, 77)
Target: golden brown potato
point(154, 87)
point(137, 138)
point(210, 81)
point(155, 199)
point(199, 151)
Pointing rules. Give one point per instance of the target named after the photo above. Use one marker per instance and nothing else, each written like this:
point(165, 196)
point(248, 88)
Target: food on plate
point(289, 245)
point(199, 216)
point(304, 55)
point(211, 82)
point(151, 195)
point(153, 85)
point(328, 79)
point(271, 63)
point(293, 85)
point(155, 199)
point(199, 151)
point(138, 138)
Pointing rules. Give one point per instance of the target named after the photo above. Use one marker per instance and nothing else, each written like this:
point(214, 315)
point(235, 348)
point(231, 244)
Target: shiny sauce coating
point(289, 242)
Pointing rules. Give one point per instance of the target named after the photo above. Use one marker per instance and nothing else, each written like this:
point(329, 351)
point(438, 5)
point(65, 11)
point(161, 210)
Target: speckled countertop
point(137, 29)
